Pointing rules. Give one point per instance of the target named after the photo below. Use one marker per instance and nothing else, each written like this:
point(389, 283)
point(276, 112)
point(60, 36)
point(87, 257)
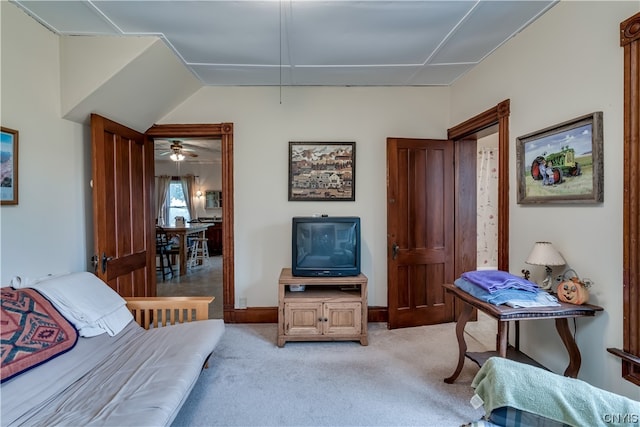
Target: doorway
point(419, 290)
point(197, 161)
point(491, 121)
point(224, 133)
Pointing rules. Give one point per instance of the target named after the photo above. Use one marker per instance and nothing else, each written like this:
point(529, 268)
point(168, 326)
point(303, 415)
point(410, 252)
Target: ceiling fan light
point(177, 157)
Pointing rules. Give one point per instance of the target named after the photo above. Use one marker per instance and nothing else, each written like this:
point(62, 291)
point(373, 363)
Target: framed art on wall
point(322, 171)
point(562, 163)
point(9, 167)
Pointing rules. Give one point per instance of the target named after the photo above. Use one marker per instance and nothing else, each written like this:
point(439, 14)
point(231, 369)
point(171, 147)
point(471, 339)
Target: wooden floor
point(203, 280)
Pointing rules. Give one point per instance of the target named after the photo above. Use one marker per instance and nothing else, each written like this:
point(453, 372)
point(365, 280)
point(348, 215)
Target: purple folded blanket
point(495, 280)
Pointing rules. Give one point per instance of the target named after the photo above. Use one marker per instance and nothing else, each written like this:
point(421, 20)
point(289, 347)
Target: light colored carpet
point(397, 380)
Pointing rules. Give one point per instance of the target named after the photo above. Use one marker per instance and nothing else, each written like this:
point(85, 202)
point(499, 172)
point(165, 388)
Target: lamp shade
point(543, 253)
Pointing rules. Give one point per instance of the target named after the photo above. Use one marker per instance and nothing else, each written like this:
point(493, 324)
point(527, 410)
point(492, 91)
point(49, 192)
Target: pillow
point(507, 416)
point(87, 302)
point(32, 331)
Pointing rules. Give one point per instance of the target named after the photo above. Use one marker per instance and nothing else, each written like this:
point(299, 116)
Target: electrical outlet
point(242, 303)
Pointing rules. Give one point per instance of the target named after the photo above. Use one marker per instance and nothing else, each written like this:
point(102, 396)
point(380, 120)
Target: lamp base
point(547, 283)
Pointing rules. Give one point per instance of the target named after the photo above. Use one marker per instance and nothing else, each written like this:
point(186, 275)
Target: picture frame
point(213, 199)
point(8, 166)
point(562, 164)
point(322, 171)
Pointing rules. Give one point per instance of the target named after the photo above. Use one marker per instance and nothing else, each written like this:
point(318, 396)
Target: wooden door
point(420, 231)
point(123, 219)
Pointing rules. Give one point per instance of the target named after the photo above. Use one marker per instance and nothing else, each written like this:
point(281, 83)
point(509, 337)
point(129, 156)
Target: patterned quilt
point(32, 331)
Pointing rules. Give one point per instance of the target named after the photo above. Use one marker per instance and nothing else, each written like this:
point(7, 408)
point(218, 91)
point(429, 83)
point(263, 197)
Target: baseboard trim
point(378, 314)
point(270, 315)
point(252, 315)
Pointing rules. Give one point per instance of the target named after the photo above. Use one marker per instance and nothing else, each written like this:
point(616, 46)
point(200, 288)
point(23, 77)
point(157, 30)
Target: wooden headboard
point(163, 311)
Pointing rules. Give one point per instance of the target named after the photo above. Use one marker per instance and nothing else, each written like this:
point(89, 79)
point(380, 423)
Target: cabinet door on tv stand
point(342, 319)
point(303, 318)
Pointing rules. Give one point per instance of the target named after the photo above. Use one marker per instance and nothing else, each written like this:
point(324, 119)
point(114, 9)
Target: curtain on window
point(188, 184)
point(162, 185)
point(487, 217)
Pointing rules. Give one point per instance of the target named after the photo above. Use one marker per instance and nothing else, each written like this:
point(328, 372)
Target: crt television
point(325, 246)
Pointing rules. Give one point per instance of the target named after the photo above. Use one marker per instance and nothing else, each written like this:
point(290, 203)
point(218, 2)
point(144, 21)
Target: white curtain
point(487, 217)
point(162, 187)
point(188, 184)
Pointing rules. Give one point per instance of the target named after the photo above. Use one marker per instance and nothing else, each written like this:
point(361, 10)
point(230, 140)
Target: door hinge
point(105, 260)
point(94, 263)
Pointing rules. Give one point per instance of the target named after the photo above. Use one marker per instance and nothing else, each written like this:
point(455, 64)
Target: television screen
point(326, 246)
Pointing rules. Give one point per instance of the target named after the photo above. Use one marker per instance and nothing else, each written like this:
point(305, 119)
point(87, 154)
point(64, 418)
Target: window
point(176, 204)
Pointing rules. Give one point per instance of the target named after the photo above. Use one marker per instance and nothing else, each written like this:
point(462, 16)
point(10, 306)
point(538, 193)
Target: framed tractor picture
point(562, 163)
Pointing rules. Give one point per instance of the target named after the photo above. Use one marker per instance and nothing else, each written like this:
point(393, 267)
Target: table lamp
point(543, 253)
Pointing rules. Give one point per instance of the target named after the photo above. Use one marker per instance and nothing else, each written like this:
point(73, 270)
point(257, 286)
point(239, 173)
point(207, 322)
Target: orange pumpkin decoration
point(573, 291)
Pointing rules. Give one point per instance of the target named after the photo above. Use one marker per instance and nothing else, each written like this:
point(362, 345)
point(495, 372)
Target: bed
point(132, 373)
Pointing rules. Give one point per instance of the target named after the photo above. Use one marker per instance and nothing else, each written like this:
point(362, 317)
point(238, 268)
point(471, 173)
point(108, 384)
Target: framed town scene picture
point(322, 171)
point(9, 167)
point(562, 163)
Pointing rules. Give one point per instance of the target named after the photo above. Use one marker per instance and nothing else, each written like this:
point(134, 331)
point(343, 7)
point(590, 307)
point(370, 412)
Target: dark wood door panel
point(122, 196)
point(420, 230)
point(416, 290)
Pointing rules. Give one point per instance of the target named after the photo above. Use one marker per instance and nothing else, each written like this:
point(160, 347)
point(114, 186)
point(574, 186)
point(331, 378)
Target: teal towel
point(502, 382)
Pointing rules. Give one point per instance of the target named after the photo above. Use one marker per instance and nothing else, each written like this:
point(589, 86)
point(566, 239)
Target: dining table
point(183, 232)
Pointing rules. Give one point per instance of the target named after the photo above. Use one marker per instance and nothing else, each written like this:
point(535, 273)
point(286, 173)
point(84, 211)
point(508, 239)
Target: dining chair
point(164, 248)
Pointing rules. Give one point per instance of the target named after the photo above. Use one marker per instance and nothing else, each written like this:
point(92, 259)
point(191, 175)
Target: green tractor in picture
point(562, 164)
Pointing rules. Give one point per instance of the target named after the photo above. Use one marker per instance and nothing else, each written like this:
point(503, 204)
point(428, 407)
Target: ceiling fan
point(177, 152)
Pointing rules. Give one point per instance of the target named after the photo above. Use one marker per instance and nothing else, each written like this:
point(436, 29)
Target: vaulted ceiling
point(296, 42)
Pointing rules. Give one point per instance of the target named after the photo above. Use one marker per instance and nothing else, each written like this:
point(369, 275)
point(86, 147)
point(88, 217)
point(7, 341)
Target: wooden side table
point(503, 314)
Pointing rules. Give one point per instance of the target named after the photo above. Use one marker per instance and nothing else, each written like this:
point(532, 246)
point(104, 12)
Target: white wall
point(263, 128)
point(46, 232)
point(566, 64)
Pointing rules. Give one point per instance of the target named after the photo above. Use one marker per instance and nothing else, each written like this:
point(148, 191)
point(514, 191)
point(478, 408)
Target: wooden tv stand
point(329, 309)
